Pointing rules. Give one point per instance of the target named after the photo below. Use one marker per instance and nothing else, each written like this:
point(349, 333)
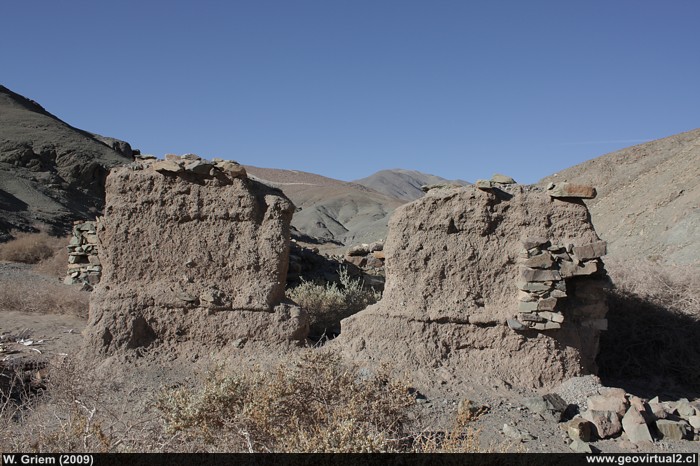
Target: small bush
point(64, 416)
point(30, 248)
point(330, 303)
point(313, 404)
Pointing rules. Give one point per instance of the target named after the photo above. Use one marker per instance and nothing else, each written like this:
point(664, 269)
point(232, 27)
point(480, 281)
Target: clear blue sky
point(343, 88)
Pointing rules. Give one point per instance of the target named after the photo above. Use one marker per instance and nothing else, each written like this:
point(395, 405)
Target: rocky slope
point(329, 210)
point(403, 184)
point(648, 202)
point(50, 172)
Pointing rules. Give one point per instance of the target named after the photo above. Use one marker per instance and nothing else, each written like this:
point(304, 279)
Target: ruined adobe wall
point(191, 250)
point(503, 282)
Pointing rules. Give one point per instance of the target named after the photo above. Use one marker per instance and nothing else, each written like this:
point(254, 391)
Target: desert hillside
point(648, 203)
point(403, 184)
point(330, 210)
point(50, 172)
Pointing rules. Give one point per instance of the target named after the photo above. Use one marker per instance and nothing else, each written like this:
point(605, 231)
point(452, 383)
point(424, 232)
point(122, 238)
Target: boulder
point(658, 410)
point(517, 434)
point(232, 169)
point(673, 430)
point(191, 258)
point(580, 446)
point(483, 184)
point(607, 423)
point(550, 403)
point(634, 425)
point(612, 399)
point(540, 261)
point(167, 166)
point(376, 246)
point(199, 167)
point(359, 250)
point(580, 429)
point(685, 409)
point(502, 179)
point(694, 422)
point(590, 251)
point(570, 190)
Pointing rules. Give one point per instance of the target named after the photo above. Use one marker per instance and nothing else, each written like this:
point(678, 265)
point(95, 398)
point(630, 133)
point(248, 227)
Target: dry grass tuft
point(47, 298)
point(55, 265)
point(31, 248)
point(39, 290)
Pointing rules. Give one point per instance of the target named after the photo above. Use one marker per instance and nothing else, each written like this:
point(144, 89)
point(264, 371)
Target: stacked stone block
point(366, 256)
point(83, 261)
point(547, 270)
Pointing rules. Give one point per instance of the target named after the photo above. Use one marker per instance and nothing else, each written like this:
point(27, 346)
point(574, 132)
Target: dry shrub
point(315, 403)
point(31, 248)
point(312, 402)
point(654, 326)
point(329, 303)
point(673, 287)
point(38, 289)
point(55, 265)
point(461, 439)
point(73, 413)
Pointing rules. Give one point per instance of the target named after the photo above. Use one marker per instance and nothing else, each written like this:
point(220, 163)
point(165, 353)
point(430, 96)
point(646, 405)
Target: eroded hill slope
point(648, 203)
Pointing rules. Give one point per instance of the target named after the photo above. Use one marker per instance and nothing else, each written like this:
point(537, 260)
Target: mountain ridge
point(403, 183)
point(50, 172)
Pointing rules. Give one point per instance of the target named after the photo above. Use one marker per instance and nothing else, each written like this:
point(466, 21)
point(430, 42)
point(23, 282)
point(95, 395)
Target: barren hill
point(403, 184)
point(50, 172)
point(331, 210)
point(648, 202)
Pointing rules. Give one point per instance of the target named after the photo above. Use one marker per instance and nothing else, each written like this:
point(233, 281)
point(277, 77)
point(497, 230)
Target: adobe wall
point(504, 281)
point(191, 250)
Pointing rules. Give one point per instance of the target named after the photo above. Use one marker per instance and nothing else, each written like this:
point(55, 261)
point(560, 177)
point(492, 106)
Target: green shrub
point(329, 303)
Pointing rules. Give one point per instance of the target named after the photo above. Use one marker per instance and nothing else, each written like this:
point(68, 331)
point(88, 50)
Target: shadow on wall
point(648, 349)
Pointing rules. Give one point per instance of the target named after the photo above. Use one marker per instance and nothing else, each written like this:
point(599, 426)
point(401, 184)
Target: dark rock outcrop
point(50, 172)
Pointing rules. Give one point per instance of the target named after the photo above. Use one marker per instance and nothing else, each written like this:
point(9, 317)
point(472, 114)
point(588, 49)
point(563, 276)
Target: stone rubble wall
point(84, 266)
point(546, 268)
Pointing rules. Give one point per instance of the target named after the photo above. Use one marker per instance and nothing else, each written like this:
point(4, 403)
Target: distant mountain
point(403, 184)
point(332, 211)
point(648, 202)
point(50, 172)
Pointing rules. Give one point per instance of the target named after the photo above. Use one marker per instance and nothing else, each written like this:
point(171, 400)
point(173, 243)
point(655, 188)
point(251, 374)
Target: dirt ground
point(53, 337)
point(34, 334)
